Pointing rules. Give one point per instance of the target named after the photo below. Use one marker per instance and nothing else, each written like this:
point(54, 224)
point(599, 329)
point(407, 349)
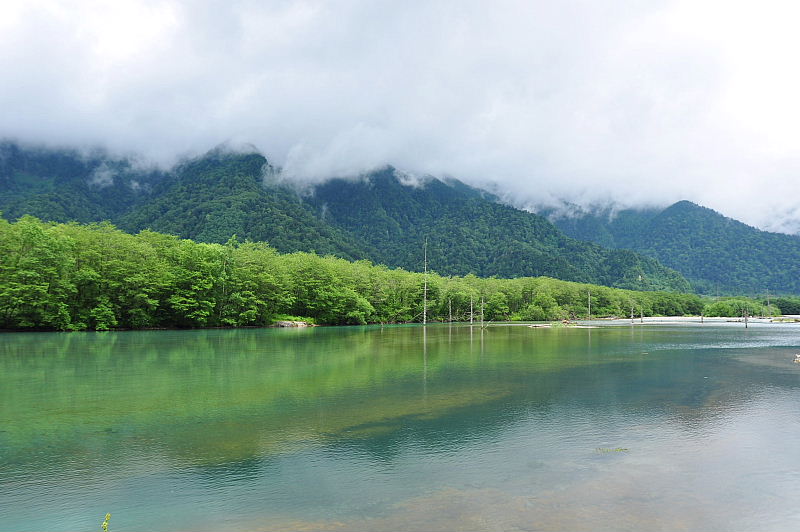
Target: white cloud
point(102, 176)
point(640, 102)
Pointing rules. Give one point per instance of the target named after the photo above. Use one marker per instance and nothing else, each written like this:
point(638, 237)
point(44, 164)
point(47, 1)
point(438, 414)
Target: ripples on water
point(618, 428)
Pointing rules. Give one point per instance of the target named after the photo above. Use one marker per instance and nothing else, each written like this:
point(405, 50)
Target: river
point(670, 427)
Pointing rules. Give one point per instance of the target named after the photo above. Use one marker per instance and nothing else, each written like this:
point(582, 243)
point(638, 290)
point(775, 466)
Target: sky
point(631, 103)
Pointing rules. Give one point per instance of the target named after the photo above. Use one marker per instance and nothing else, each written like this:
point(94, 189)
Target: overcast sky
point(639, 102)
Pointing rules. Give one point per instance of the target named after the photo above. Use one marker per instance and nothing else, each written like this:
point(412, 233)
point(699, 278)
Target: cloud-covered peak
point(632, 102)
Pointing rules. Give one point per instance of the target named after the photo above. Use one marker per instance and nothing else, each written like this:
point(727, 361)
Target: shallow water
point(679, 427)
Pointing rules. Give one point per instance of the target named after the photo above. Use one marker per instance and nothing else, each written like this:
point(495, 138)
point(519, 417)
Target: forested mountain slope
point(470, 232)
point(223, 194)
point(714, 252)
point(376, 217)
point(65, 185)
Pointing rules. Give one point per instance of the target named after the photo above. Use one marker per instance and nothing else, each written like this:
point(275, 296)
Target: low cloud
point(102, 176)
point(639, 103)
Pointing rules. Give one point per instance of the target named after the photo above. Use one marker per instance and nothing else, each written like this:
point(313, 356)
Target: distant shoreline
point(580, 324)
point(653, 320)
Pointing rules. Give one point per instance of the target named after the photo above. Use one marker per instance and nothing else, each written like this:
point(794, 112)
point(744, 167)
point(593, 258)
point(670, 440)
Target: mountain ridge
point(222, 194)
point(715, 252)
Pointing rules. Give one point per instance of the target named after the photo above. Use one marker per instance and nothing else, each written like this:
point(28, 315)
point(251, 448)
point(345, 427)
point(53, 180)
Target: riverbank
point(668, 320)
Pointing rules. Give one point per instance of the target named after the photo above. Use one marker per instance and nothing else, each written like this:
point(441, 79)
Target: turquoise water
point(680, 427)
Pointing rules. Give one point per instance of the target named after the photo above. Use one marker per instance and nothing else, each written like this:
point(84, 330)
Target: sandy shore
point(692, 319)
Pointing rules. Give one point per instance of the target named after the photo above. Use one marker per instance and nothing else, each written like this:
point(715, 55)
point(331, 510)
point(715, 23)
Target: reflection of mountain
point(227, 396)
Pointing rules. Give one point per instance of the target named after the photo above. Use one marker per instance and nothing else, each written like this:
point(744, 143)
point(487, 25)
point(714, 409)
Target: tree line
point(76, 277)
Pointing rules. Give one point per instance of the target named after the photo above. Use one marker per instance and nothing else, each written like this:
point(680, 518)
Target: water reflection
point(358, 428)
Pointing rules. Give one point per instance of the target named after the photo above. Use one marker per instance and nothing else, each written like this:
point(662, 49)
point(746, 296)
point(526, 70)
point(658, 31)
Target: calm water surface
point(680, 427)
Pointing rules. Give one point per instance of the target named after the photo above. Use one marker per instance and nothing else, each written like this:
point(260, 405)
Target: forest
point(718, 255)
point(56, 276)
point(384, 215)
point(379, 217)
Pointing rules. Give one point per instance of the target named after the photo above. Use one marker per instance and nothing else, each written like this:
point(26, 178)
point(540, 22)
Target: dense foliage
point(469, 232)
point(70, 276)
point(740, 306)
point(377, 218)
point(224, 194)
point(717, 254)
point(787, 304)
point(64, 185)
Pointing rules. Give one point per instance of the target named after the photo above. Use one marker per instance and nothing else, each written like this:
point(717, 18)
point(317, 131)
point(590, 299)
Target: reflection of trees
point(226, 396)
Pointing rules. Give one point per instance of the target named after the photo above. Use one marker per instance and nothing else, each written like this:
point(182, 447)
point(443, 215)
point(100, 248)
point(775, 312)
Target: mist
point(635, 103)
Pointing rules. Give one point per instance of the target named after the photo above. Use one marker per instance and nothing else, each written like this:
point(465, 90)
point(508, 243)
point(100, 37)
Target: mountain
point(716, 253)
point(65, 185)
point(223, 194)
point(470, 232)
point(381, 216)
